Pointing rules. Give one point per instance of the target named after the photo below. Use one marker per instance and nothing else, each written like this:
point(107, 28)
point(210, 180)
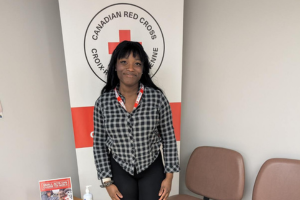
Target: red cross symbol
point(123, 35)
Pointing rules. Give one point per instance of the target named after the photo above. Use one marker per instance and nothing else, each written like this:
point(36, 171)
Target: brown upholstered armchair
point(278, 179)
point(215, 173)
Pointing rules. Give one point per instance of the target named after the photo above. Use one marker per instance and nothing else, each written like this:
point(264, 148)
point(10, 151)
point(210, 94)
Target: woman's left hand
point(165, 188)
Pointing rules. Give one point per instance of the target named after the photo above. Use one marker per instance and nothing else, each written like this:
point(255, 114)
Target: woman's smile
point(129, 75)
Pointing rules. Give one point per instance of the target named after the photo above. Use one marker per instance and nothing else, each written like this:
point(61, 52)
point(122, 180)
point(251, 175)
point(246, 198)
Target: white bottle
point(87, 195)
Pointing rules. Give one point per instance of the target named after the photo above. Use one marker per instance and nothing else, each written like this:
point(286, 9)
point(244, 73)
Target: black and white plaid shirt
point(134, 139)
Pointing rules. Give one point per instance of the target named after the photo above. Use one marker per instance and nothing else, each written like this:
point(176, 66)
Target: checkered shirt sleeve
point(168, 137)
point(99, 148)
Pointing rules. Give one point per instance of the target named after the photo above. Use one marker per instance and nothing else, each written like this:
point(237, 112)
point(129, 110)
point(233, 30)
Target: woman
point(48, 195)
point(132, 118)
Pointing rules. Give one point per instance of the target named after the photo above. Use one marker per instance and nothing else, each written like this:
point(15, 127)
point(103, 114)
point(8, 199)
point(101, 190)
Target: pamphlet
point(56, 189)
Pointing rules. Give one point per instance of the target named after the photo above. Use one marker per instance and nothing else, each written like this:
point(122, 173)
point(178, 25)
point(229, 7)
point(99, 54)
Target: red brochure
point(56, 189)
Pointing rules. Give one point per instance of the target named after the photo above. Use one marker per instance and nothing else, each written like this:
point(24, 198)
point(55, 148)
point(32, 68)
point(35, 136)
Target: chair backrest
point(216, 173)
point(278, 178)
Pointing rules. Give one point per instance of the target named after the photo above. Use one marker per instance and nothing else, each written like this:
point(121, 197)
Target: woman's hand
point(165, 188)
point(114, 192)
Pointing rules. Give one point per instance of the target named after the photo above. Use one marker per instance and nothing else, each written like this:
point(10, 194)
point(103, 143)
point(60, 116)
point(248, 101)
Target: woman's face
point(129, 70)
point(61, 195)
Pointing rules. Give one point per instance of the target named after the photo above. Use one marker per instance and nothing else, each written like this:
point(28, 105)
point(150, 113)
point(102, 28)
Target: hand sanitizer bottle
point(87, 195)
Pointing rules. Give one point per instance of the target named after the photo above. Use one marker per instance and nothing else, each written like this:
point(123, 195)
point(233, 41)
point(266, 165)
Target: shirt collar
point(137, 92)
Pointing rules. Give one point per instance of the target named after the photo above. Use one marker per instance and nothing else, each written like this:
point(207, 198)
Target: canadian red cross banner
point(91, 31)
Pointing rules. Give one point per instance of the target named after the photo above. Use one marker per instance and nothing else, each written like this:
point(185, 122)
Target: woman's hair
point(49, 191)
point(123, 50)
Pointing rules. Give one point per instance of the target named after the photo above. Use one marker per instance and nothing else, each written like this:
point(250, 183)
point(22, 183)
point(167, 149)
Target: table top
point(75, 198)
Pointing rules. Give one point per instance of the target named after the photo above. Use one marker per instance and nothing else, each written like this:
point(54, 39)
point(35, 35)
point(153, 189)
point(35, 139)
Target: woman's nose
point(130, 67)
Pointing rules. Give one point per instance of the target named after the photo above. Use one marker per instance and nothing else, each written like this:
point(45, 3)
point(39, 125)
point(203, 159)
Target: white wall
point(36, 134)
point(241, 78)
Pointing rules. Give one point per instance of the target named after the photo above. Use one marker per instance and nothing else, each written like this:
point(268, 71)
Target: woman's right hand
point(113, 192)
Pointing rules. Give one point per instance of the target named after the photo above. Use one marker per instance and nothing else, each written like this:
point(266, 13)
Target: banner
point(91, 31)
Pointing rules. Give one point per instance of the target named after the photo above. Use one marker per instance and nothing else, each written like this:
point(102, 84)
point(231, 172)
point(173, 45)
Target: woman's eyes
point(124, 62)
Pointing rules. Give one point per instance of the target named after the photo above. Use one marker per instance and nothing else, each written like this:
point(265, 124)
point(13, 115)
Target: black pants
point(142, 186)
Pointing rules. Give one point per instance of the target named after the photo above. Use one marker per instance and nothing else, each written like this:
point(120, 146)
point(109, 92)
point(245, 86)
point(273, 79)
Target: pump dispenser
point(87, 195)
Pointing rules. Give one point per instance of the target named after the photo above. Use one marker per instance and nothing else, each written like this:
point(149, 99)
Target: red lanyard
point(137, 101)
